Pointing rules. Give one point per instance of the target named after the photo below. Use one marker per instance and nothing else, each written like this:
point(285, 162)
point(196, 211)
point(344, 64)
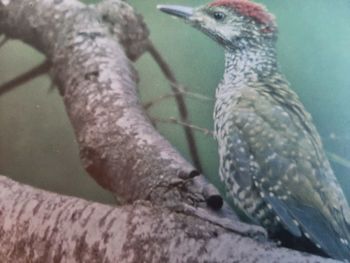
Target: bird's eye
point(219, 16)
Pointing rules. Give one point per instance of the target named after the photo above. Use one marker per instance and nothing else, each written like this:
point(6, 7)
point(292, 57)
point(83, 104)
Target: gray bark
point(38, 226)
point(90, 49)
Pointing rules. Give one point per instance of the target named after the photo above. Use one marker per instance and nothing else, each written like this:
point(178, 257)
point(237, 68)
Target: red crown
point(248, 9)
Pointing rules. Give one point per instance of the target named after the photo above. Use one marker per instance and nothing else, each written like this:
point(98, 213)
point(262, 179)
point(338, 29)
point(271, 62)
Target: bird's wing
point(294, 176)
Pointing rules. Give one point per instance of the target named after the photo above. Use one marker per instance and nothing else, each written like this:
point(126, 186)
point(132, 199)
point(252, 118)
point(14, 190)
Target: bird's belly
point(239, 187)
point(247, 199)
point(237, 165)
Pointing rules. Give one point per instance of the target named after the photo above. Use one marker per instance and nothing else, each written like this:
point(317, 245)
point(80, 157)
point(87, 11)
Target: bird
point(271, 158)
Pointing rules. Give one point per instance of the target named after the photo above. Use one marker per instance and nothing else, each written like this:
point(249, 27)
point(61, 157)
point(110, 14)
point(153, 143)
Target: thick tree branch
point(119, 147)
point(37, 226)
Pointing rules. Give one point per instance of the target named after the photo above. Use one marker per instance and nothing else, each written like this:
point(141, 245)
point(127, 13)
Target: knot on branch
point(127, 25)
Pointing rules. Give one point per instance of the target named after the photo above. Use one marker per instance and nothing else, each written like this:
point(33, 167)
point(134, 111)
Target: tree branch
point(3, 41)
point(118, 145)
point(37, 226)
point(31, 74)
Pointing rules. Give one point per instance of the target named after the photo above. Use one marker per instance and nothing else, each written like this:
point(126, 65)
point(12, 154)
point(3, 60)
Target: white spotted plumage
point(271, 157)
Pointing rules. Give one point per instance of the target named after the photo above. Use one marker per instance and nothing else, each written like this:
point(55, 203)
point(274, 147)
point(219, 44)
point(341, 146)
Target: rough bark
point(37, 226)
point(115, 139)
point(90, 48)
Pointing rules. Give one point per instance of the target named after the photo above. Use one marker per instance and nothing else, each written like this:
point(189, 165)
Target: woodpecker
point(272, 161)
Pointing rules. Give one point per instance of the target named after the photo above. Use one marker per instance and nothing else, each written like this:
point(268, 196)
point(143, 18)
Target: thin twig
point(196, 95)
point(3, 41)
point(332, 156)
point(40, 69)
point(173, 120)
point(153, 102)
point(338, 159)
point(52, 87)
point(159, 99)
point(336, 138)
point(180, 103)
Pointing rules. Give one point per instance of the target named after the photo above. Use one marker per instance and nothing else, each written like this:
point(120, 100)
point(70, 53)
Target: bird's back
point(274, 166)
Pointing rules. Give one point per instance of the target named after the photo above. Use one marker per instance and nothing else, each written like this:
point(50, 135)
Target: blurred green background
point(37, 145)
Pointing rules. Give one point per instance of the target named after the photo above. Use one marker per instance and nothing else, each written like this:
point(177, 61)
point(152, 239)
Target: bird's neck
point(247, 66)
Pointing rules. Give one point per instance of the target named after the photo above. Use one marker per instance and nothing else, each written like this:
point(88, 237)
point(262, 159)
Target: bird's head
point(232, 23)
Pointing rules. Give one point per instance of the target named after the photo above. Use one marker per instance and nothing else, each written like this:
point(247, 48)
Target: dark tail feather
point(320, 232)
point(281, 210)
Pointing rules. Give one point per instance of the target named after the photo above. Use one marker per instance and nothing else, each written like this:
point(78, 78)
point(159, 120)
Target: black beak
point(177, 10)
